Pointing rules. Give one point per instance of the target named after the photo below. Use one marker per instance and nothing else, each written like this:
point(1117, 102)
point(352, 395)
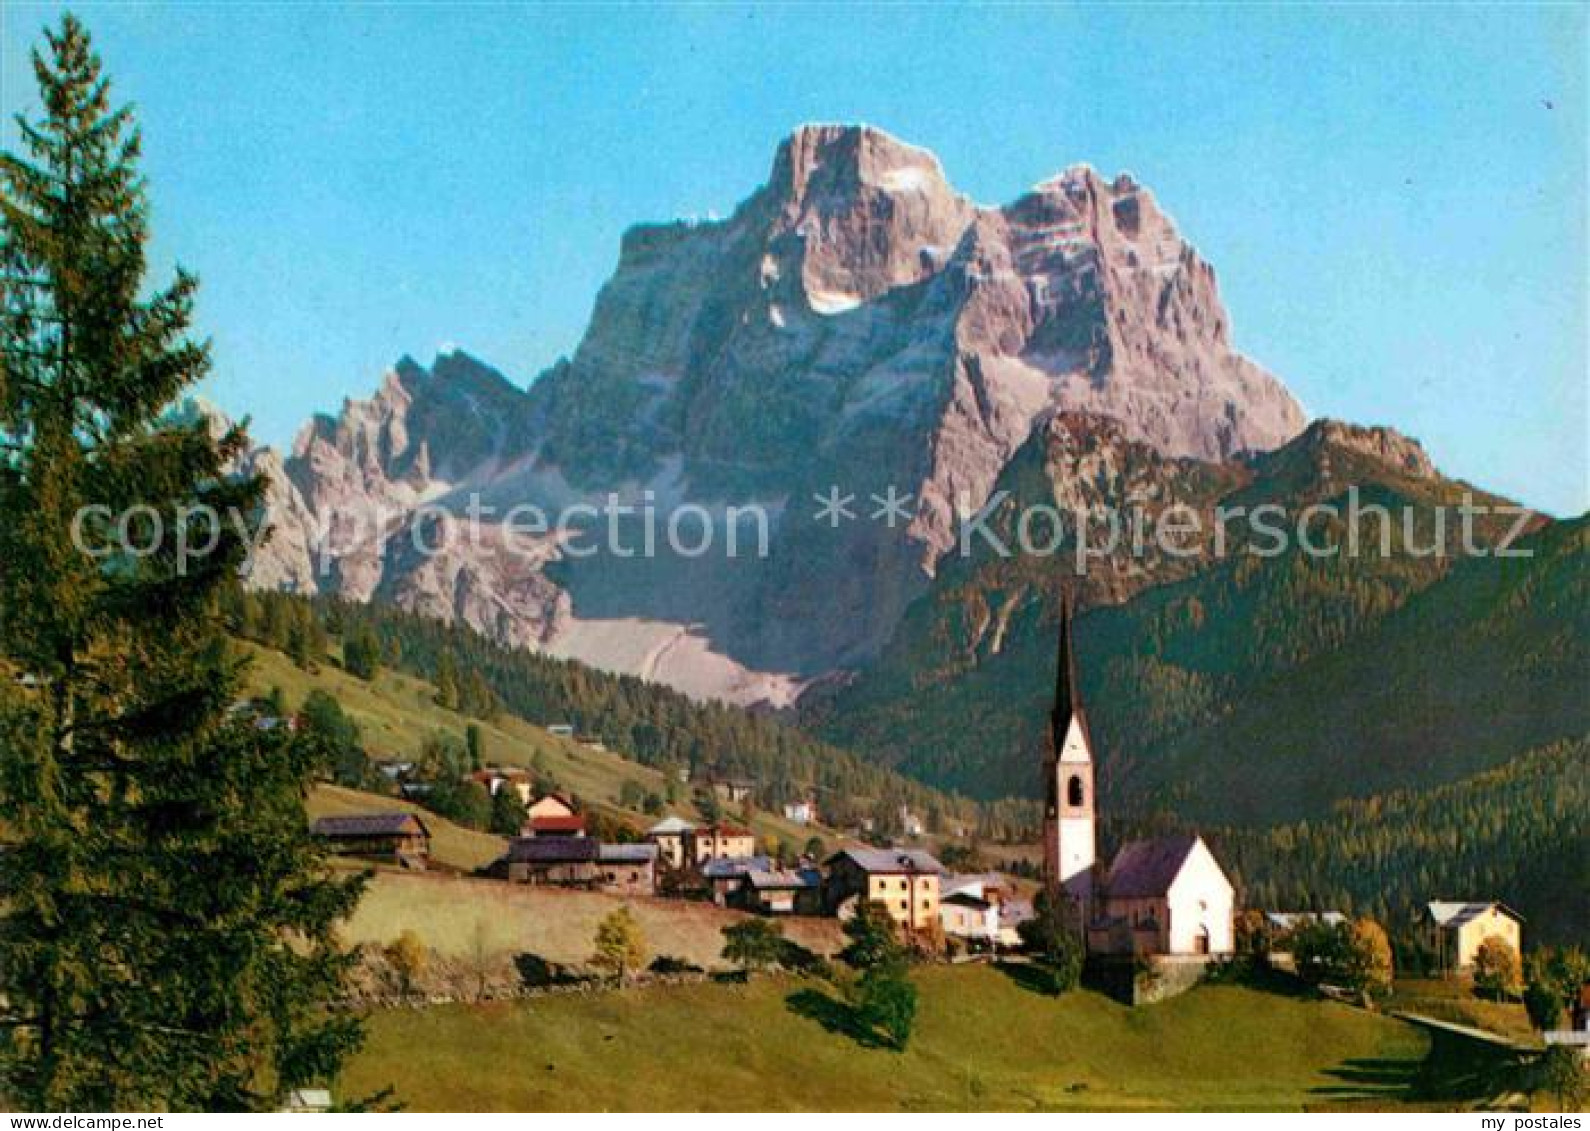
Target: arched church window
point(1074, 791)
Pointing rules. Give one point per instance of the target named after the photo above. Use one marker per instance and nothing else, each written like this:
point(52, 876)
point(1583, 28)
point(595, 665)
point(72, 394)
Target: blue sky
point(1394, 197)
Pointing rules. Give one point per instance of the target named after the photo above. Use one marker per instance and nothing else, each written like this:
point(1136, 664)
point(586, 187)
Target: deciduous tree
point(753, 944)
point(620, 944)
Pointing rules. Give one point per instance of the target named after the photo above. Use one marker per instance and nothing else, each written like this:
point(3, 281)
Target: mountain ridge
point(855, 322)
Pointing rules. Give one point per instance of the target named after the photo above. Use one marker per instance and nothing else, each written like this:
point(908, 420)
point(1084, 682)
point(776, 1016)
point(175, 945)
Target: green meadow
point(982, 1041)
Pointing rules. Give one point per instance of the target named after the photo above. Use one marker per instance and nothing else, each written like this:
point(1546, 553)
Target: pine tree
point(166, 931)
point(447, 682)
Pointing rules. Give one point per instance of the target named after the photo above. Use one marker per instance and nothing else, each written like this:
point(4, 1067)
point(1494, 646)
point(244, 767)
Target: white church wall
point(1201, 898)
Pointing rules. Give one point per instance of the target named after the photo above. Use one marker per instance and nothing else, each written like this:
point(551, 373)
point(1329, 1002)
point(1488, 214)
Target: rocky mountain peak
point(858, 212)
point(855, 323)
point(835, 159)
point(1383, 445)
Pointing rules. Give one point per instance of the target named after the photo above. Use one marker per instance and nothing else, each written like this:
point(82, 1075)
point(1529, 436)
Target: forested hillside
point(1520, 833)
point(1259, 688)
point(1491, 661)
point(653, 725)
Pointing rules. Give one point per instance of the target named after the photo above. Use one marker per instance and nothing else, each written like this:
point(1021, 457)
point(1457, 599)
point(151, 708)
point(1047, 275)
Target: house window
point(1074, 791)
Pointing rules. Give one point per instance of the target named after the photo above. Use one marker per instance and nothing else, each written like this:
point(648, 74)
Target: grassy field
point(982, 1041)
point(396, 713)
point(448, 913)
point(1454, 1000)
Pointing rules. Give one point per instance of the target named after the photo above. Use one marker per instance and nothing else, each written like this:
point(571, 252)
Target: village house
point(400, 837)
point(492, 779)
point(782, 892)
point(974, 908)
point(563, 861)
point(724, 875)
point(1458, 929)
point(732, 790)
point(719, 841)
point(1165, 895)
point(967, 915)
point(670, 835)
point(801, 812)
point(394, 771)
point(627, 869)
point(552, 815)
point(905, 881)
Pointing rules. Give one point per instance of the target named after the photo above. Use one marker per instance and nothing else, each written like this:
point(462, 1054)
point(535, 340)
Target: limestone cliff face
point(855, 323)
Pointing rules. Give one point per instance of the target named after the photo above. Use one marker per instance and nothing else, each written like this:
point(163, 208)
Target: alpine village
point(320, 825)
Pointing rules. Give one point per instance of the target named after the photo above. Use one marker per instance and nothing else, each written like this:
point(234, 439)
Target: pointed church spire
point(1067, 694)
point(1068, 825)
point(1065, 674)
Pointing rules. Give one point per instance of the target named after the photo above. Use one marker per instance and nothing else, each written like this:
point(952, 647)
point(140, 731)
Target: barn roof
point(1146, 868)
point(371, 824)
point(552, 850)
point(626, 853)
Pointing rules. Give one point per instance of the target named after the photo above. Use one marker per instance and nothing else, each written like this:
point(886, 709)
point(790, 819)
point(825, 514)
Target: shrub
point(1497, 970)
point(668, 964)
point(409, 958)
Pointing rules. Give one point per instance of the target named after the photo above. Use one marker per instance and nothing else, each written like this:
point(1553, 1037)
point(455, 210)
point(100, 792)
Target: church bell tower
point(1068, 818)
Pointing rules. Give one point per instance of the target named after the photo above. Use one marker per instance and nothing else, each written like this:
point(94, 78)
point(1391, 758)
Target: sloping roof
point(728, 867)
point(670, 826)
point(721, 829)
point(552, 850)
point(574, 824)
point(783, 880)
point(970, 881)
point(371, 824)
point(1146, 868)
point(626, 853)
point(891, 861)
point(1286, 920)
point(967, 899)
point(1449, 913)
point(561, 800)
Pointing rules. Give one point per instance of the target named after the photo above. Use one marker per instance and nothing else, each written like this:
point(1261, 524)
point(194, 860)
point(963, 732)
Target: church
point(1160, 896)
